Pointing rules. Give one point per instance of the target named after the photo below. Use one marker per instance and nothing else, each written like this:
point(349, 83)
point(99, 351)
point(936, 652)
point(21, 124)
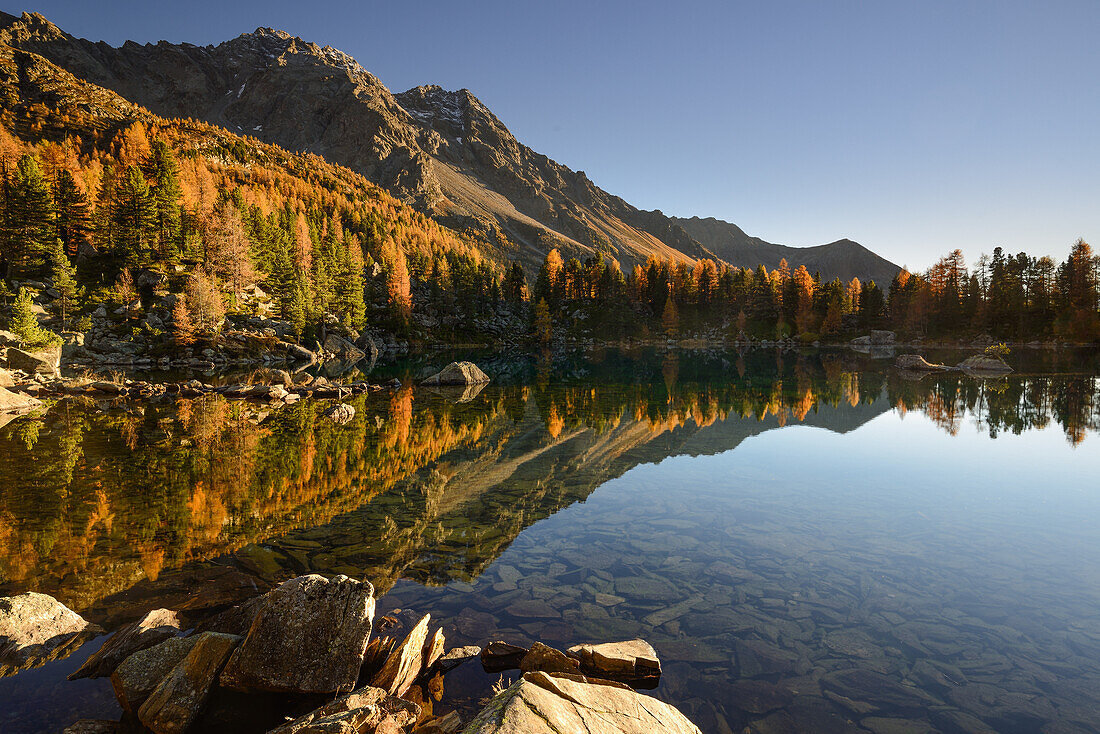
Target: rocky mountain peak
point(28, 27)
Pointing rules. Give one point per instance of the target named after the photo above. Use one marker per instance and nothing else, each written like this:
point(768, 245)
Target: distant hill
point(842, 259)
point(442, 151)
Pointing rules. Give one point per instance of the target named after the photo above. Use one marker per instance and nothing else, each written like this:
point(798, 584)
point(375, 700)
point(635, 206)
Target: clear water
point(810, 544)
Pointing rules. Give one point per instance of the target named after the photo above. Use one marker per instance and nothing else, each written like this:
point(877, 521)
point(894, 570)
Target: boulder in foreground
point(181, 696)
point(13, 402)
point(44, 361)
point(152, 629)
point(539, 703)
point(458, 373)
point(308, 636)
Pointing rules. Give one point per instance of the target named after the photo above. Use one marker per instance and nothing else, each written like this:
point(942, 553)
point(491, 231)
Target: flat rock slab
point(36, 628)
point(539, 703)
point(13, 402)
point(548, 660)
point(365, 710)
point(181, 696)
point(155, 627)
point(618, 660)
point(140, 674)
point(308, 636)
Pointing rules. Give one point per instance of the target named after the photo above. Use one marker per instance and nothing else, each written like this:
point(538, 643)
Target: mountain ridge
point(442, 151)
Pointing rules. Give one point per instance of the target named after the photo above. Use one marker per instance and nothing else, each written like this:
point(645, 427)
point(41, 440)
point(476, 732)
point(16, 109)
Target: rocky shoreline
point(309, 657)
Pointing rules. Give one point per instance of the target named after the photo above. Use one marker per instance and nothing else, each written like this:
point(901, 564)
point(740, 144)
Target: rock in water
point(458, 373)
point(35, 628)
point(308, 636)
point(498, 656)
point(985, 363)
point(366, 710)
point(628, 660)
point(917, 363)
point(548, 660)
point(882, 337)
point(91, 726)
point(539, 703)
point(140, 674)
point(152, 629)
point(43, 361)
point(405, 662)
point(340, 414)
point(181, 696)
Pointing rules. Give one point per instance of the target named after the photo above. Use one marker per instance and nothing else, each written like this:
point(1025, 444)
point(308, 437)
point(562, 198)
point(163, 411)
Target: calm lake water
point(812, 543)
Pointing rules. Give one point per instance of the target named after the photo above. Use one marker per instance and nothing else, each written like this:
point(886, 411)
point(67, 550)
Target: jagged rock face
point(444, 152)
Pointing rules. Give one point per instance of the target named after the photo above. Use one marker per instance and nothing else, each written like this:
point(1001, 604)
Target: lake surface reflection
point(811, 544)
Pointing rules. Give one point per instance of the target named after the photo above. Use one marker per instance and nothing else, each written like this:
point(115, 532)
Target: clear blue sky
point(912, 127)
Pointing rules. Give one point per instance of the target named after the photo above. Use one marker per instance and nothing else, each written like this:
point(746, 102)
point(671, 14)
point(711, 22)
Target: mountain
point(444, 152)
point(842, 259)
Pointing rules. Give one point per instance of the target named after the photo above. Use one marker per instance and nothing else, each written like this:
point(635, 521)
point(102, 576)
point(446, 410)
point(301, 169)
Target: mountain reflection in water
point(121, 510)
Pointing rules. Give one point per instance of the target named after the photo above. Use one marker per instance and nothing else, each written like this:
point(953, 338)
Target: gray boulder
point(882, 337)
point(36, 628)
point(337, 347)
point(540, 703)
point(458, 373)
point(861, 341)
point(140, 674)
point(14, 402)
point(308, 636)
point(44, 361)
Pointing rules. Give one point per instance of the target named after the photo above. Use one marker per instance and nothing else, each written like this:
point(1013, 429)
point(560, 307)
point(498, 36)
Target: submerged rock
point(181, 696)
point(308, 636)
point(458, 373)
point(498, 656)
point(36, 628)
point(365, 710)
point(618, 660)
point(155, 627)
point(540, 703)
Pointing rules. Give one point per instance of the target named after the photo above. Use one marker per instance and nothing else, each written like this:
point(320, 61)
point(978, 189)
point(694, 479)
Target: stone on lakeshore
point(6, 379)
point(43, 361)
point(917, 363)
point(433, 649)
point(405, 662)
point(36, 628)
point(618, 660)
point(140, 674)
point(14, 402)
point(339, 348)
point(308, 636)
point(181, 696)
point(361, 712)
point(548, 660)
point(539, 703)
point(498, 656)
point(155, 627)
point(458, 373)
point(453, 658)
point(985, 363)
point(340, 414)
point(861, 341)
point(882, 337)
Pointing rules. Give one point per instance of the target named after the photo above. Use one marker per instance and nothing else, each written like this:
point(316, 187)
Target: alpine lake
point(813, 542)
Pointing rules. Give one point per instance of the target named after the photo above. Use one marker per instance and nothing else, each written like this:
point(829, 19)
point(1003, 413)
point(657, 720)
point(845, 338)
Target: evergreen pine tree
point(24, 324)
point(163, 171)
point(64, 282)
point(134, 214)
point(73, 222)
point(28, 215)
